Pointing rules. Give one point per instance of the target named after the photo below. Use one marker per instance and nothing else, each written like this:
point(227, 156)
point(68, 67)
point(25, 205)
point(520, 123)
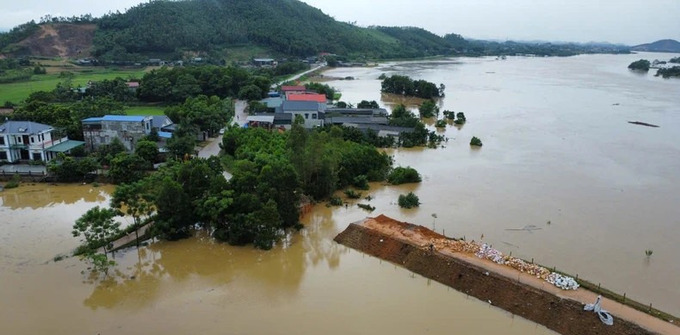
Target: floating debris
point(639, 123)
point(528, 227)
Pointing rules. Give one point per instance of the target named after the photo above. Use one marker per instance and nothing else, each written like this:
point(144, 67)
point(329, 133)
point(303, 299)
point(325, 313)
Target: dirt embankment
point(560, 314)
point(61, 40)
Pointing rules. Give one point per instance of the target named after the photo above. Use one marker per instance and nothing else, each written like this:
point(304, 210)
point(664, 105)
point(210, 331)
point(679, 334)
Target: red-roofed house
point(133, 85)
point(320, 98)
point(286, 90)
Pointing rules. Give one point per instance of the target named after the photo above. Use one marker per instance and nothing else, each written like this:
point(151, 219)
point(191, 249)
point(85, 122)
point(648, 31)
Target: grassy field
point(145, 110)
point(16, 92)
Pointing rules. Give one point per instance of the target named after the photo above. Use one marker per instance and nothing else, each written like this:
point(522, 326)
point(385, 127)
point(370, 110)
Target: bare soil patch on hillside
point(61, 40)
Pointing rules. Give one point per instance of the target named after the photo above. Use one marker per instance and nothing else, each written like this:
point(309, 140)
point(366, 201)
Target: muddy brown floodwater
point(557, 148)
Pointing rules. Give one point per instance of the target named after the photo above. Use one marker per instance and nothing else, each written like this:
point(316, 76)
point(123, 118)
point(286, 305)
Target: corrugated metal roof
point(23, 127)
point(164, 134)
point(65, 146)
point(294, 106)
point(124, 118)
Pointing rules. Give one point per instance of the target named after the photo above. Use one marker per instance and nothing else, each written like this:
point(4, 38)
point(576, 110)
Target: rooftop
point(117, 118)
point(299, 106)
point(321, 98)
point(65, 146)
point(23, 127)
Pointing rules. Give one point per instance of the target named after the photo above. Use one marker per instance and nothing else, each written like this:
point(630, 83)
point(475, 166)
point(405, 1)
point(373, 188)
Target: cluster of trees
point(512, 48)
point(270, 172)
point(403, 175)
point(428, 109)
point(202, 113)
point(404, 85)
point(640, 65)
point(123, 167)
point(63, 109)
point(669, 72)
point(322, 89)
point(420, 136)
point(18, 69)
point(179, 83)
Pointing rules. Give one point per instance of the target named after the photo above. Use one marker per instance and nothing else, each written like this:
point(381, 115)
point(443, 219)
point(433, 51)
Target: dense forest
point(288, 27)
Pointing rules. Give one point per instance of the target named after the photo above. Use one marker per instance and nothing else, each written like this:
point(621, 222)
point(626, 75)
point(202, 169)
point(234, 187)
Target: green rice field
point(18, 91)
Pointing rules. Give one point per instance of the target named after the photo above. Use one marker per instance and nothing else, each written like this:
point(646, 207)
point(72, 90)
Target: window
point(19, 139)
point(32, 139)
point(37, 156)
point(314, 116)
point(3, 155)
point(2, 140)
point(306, 116)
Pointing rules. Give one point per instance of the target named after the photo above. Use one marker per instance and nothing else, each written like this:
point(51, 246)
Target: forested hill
point(659, 46)
point(289, 27)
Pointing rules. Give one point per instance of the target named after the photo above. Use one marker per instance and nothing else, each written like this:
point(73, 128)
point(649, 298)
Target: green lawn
point(17, 92)
point(145, 110)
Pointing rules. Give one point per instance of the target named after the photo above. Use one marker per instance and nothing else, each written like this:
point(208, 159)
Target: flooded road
point(557, 148)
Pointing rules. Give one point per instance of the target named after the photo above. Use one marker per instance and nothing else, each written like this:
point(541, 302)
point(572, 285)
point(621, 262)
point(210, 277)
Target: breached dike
point(429, 254)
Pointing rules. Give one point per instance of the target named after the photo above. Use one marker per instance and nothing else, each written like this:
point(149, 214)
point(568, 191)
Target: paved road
point(297, 76)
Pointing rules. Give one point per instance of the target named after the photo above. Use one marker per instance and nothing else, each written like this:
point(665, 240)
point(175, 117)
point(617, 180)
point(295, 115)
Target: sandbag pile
point(486, 251)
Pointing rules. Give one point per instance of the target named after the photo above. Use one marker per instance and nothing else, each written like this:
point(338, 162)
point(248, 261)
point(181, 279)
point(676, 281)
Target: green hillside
point(287, 27)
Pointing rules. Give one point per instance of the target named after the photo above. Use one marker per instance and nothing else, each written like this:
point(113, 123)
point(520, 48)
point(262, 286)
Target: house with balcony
point(26, 140)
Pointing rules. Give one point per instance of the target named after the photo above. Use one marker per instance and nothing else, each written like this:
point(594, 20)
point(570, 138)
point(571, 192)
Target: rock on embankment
point(561, 315)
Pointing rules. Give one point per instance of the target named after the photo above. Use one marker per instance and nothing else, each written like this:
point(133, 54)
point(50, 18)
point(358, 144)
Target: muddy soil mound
point(60, 40)
point(561, 315)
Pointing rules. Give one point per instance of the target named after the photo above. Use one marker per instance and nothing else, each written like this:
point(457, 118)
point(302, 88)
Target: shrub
point(14, 182)
point(440, 123)
point(366, 207)
point(335, 201)
point(350, 193)
point(409, 200)
point(640, 65)
point(361, 182)
point(403, 175)
point(476, 141)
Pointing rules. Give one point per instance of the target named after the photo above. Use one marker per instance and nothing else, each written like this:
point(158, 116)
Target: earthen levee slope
point(562, 315)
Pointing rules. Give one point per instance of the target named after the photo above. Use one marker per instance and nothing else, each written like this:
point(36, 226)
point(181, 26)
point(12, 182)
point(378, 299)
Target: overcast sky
point(617, 21)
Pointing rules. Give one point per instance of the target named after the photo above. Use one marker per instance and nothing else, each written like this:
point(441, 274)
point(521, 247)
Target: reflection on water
point(308, 285)
point(43, 195)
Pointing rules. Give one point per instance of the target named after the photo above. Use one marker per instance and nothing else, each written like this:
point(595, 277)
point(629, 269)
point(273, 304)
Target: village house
point(129, 129)
point(25, 140)
point(287, 90)
point(312, 112)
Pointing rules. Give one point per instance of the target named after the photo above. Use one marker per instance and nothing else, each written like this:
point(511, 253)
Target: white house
point(26, 140)
point(313, 112)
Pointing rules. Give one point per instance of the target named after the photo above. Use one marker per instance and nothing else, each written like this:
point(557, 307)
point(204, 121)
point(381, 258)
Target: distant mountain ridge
point(666, 45)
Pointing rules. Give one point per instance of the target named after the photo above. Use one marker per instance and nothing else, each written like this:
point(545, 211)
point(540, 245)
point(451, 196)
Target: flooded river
point(557, 148)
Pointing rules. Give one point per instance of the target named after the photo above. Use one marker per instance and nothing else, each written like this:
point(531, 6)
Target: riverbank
point(519, 293)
